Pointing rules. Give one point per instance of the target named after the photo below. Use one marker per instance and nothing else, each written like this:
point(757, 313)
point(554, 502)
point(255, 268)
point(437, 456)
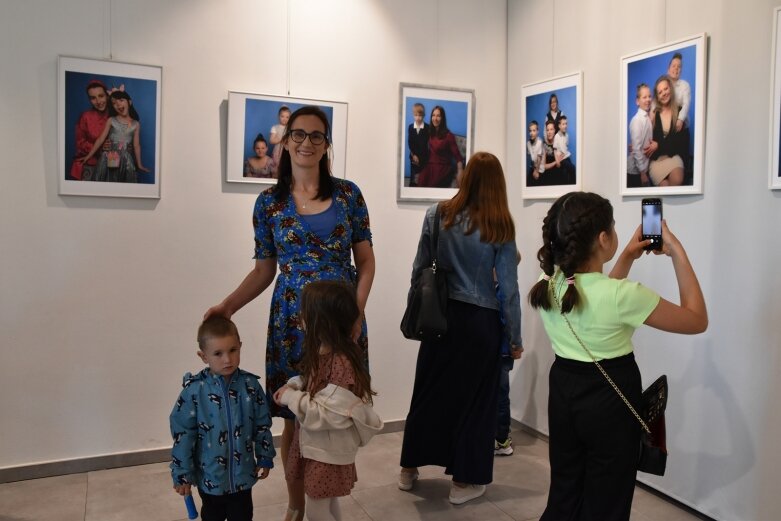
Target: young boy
point(641, 133)
point(536, 165)
point(561, 145)
point(220, 425)
point(417, 139)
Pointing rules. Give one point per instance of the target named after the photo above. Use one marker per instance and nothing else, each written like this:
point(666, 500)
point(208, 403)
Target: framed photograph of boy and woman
point(436, 136)
point(108, 122)
point(256, 126)
point(663, 119)
point(552, 116)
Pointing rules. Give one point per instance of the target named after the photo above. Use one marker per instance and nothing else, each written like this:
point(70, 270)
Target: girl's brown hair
point(329, 310)
point(482, 200)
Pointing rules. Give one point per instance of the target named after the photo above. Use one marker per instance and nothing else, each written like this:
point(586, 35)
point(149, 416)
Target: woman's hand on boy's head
point(262, 472)
point(183, 490)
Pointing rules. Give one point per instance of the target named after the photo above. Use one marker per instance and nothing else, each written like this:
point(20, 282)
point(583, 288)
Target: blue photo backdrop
point(537, 106)
point(457, 113)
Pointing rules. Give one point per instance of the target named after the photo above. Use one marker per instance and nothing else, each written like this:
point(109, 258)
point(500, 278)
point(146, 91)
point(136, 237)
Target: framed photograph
point(436, 138)
point(663, 119)
point(775, 102)
point(256, 125)
point(552, 115)
point(108, 121)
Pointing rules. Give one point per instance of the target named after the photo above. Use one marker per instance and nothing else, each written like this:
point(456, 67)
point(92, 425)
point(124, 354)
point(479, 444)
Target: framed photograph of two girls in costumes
point(256, 126)
point(108, 128)
point(552, 116)
point(662, 119)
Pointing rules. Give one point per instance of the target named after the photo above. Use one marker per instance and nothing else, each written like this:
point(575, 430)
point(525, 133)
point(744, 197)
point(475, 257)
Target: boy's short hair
point(641, 86)
point(562, 118)
point(418, 107)
point(534, 122)
point(283, 108)
point(216, 327)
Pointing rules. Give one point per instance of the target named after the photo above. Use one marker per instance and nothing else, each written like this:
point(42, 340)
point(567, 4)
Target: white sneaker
point(459, 495)
point(503, 449)
point(407, 479)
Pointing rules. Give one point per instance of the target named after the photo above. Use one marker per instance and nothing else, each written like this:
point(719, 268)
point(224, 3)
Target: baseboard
point(111, 461)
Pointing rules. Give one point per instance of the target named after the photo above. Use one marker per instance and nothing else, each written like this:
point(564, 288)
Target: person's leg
point(676, 177)
point(567, 452)
point(295, 487)
point(239, 506)
point(503, 446)
point(336, 510)
point(213, 508)
point(319, 509)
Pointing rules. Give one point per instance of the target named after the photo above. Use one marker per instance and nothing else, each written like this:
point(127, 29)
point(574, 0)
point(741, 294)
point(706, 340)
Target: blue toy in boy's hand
point(192, 512)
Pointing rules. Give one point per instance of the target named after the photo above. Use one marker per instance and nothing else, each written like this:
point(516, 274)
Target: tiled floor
point(144, 493)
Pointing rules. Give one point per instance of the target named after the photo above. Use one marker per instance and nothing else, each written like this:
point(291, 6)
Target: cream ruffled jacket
point(334, 423)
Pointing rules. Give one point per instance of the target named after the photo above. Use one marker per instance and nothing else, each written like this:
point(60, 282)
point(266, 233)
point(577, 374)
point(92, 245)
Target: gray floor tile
point(60, 498)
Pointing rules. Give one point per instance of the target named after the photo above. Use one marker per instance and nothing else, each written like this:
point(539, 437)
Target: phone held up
point(652, 223)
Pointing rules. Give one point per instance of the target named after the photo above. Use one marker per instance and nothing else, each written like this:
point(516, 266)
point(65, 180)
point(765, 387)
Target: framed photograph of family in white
point(552, 116)
point(256, 128)
point(774, 182)
point(108, 123)
point(436, 138)
point(663, 119)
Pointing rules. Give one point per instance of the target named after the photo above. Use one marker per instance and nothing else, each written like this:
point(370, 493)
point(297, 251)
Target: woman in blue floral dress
point(309, 224)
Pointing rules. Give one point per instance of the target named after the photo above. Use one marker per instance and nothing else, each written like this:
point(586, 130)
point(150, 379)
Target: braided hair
point(569, 232)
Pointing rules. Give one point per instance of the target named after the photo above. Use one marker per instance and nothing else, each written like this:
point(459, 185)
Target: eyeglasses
point(316, 137)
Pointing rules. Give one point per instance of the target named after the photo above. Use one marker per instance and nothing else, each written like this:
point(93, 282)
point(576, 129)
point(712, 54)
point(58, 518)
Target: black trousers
point(233, 507)
point(452, 417)
point(594, 440)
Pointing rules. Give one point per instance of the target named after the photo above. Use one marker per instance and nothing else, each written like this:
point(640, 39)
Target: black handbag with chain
point(426, 315)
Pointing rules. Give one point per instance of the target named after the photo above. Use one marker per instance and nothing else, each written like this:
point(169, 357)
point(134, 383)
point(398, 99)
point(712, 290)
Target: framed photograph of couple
point(552, 116)
point(256, 126)
point(774, 182)
point(436, 138)
point(662, 118)
point(108, 122)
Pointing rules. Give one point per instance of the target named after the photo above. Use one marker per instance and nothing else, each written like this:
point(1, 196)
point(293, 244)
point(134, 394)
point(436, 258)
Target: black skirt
point(452, 417)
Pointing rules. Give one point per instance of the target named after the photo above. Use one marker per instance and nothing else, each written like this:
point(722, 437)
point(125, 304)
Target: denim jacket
point(469, 265)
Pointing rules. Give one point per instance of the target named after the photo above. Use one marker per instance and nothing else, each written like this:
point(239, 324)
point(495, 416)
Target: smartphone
point(652, 223)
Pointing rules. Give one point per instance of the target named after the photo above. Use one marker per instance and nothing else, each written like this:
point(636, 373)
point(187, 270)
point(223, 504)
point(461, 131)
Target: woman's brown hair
point(482, 200)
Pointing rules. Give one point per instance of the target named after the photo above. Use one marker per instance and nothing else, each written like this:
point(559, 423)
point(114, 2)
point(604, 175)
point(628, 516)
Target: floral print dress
point(303, 257)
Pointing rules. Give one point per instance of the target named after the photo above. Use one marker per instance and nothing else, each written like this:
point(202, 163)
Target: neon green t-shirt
point(605, 319)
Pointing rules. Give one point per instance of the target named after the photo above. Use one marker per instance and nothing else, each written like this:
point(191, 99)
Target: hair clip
point(545, 277)
point(570, 280)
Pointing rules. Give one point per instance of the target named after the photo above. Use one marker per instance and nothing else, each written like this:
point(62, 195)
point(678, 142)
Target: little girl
point(261, 165)
point(278, 132)
point(122, 159)
point(331, 400)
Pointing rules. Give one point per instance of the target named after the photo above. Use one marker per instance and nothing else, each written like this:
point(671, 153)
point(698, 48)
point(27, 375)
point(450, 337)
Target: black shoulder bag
point(426, 315)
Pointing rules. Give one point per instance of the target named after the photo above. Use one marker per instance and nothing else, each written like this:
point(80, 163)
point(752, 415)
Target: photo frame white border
point(236, 126)
point(774, 179)
point(699, 41)
point(574, 79)
point(420, 193)
point(109, 68)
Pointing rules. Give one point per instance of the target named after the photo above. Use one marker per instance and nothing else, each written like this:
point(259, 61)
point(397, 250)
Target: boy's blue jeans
point(503, 415)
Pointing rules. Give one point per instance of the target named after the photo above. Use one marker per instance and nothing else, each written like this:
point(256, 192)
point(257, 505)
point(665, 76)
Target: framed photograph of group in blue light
point(662, 119)
point(108, 128)
point(256, 128)
point(775, 104)
point(552, 116)
point(436, 136)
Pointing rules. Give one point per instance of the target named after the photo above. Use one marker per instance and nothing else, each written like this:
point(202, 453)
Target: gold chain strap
point(610, 380)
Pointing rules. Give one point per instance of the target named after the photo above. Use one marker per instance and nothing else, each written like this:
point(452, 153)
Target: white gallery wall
point(723, 417)
point(100, 298)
